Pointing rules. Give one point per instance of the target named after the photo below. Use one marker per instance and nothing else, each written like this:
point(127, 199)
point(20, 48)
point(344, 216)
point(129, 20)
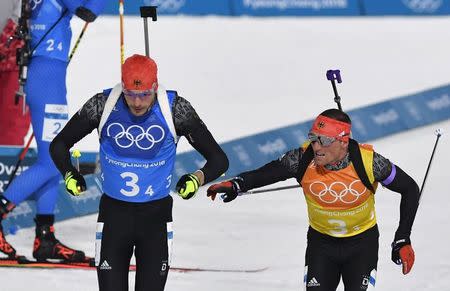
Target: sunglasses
point(141, 94)
point(323, 140)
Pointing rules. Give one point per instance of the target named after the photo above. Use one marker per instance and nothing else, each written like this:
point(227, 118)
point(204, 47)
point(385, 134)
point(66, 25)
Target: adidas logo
point(313, 283)
point(105, 266)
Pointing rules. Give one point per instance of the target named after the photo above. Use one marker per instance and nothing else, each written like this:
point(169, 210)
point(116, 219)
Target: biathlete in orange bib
point(339, 178)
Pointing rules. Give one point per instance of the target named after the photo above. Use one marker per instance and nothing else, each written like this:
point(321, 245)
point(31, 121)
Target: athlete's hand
point(403, 253)
point(75, 183)
point(187, 186)
point(230, 189)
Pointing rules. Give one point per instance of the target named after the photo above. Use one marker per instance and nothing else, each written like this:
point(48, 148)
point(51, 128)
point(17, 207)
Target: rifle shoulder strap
point(163, 101)
point(109, 106)
point(303, 162)
point(356, 158)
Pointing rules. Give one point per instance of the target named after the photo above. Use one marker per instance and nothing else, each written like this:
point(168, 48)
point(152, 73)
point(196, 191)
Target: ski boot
point(47, 247)
point(5, 247)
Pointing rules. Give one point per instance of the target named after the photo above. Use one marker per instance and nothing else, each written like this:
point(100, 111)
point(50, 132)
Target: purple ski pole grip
point(334, 75)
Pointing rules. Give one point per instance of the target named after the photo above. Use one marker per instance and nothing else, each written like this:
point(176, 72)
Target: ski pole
point(76, 154)
point(147, 11)
point(269, 190)
point(78, 41)
point(21, 157)
point(438, 133)
point(332, 76)
point(121, 11)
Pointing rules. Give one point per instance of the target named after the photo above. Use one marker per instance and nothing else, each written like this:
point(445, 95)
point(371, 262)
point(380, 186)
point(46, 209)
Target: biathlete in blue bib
point(139, 123)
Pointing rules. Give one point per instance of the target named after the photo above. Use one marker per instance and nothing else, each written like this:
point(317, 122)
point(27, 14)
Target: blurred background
point(255, 71)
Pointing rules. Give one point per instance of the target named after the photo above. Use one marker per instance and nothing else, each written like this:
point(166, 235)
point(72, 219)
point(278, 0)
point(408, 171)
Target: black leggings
point(122, 226)
point(329, 258)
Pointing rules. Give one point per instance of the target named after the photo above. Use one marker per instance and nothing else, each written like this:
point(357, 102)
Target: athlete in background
point(138, 123)
point(46, 97)
point(343, 233)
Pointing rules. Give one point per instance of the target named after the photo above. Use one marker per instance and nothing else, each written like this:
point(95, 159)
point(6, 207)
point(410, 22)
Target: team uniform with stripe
point(340, 206)
point(137, 157)
point(343, 233)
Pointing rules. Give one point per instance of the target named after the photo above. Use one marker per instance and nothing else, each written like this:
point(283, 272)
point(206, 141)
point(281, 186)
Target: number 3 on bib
point(340, 227)
point(131, 180)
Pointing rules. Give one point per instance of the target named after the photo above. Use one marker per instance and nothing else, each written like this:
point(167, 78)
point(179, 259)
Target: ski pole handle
point(332, 76)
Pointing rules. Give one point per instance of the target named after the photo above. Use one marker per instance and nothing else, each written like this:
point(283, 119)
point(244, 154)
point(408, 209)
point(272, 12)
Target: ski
point(25, 263)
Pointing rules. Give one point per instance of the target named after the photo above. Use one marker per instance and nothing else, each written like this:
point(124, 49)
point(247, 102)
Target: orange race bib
point(338, 202)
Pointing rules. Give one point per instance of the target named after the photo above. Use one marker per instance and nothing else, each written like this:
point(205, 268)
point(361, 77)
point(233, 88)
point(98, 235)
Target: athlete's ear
point(344, 144)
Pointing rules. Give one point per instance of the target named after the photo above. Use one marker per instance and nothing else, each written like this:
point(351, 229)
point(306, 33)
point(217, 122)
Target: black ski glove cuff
point(396, 245)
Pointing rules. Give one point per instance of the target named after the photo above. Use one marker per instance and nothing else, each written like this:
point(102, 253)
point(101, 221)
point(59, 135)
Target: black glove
point(230, 188)
point(403, 254)
point(187, 186)
point(85, 14)
point(75, 183)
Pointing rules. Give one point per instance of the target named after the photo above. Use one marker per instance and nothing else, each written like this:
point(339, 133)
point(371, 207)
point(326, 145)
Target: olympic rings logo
point(35, 3)
point(338, 191)
point(135, 134)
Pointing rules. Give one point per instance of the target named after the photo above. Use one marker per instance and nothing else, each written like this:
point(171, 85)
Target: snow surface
point(246, 75)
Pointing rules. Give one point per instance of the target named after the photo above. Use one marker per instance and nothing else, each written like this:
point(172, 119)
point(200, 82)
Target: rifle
point(23, 53)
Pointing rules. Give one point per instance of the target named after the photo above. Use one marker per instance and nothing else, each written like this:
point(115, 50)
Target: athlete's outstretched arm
point(278, 170)
point(188, 124)
point(80, 125)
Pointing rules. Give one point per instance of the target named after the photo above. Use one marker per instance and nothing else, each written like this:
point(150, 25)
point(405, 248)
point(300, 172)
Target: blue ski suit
point(46, 93)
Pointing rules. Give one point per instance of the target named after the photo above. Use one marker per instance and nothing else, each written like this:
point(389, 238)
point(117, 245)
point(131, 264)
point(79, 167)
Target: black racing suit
point(142, 226)
point(329, 258)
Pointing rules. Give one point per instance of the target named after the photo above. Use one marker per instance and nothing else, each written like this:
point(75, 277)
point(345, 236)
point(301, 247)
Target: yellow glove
point(187, 186)
point(75, 183)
